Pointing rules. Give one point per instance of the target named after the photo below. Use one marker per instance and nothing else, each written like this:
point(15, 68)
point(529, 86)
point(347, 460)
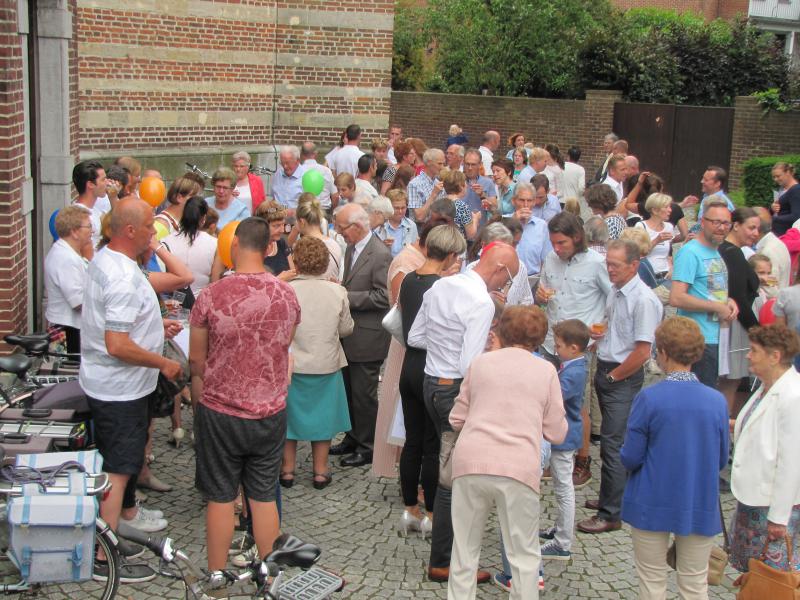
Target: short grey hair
point(291, 149)
point(357, 217)
point(611, 137)
point(596, 230)
point(630, 248)
point(241, 155)
point(432, 154)
point(496, 232)
point(361, 198)
point(524, 186)
point(382, 205)
point(444, 240)
point(459, 149)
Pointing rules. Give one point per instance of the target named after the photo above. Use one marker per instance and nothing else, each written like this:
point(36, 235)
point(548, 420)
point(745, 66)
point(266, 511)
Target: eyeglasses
point(222, 188)
point(341, 229)
point(86, 227)
point(717, 223)
point(508, 283)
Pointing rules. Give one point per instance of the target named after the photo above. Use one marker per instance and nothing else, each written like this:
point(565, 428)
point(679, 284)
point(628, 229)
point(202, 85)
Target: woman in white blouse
point(65, 273)
point(661, 233)
point(190, 244)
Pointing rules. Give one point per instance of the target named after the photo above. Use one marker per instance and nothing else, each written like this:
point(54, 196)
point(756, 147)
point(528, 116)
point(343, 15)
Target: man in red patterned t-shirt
point(241, 328)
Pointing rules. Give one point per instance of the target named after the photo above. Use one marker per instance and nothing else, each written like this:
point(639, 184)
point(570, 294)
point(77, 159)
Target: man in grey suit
point(366, 265)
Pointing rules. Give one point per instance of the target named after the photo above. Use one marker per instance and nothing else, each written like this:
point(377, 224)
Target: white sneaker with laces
point(144, 523)
point(246, 557)
point(150, 513)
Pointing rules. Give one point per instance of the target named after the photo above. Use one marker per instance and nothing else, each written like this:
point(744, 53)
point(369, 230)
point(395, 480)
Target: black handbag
point(162, 400)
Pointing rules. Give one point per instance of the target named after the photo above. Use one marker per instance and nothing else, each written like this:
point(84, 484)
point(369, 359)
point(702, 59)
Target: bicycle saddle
point(17, 364)
point(293, 552)
point(36, 343)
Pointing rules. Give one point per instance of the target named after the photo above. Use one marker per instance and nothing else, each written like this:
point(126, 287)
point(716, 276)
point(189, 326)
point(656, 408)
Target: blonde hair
point(270, 211)
point(453, 181)
point(309, 209)
point(638, 236)
point(454, 130)
point(571, 205)
point(656, 201)
point(69, 219)
point(538, 154)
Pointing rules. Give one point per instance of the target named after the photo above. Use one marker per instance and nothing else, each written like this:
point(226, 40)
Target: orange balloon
point(224, 242)
point(152, 190)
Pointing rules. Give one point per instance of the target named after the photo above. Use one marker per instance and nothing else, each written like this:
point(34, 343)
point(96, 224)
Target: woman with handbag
point(676, 444)
point(420, 455)
point(765, 478)
point(508, 401)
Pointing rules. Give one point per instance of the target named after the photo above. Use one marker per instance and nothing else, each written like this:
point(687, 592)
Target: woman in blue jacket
point(675, 446)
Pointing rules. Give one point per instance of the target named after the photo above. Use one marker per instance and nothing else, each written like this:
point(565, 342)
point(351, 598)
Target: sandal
point(285, 481)
point(324, 482)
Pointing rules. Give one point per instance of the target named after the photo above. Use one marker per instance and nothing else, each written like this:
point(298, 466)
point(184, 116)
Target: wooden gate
point(676, 142)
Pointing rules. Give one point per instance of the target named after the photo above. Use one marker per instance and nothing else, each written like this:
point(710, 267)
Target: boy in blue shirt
point(571, 339)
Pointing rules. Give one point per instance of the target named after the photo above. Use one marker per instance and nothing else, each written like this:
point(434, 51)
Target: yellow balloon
point(224, 242)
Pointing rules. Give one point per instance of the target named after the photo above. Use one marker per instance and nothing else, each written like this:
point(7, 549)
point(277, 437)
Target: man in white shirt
point(367, 167)
point(122, 337)
point(65, 273)
point(346, 158)
point(395, 135)
point(89, 179)
point(616, 175)
point(489, 145)
point(452, 325)
point(573, 183)
point(328, 197)
point(633, 312)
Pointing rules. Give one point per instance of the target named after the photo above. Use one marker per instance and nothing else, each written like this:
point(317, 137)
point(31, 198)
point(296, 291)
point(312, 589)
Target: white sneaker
point(144, 523)
point(246, 557)
point(150, 513)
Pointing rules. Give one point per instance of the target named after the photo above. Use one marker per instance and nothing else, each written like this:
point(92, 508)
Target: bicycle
point(57, 480)
point(268, 575)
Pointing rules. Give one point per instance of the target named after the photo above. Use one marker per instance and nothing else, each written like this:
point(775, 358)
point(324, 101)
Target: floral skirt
point(749, 533)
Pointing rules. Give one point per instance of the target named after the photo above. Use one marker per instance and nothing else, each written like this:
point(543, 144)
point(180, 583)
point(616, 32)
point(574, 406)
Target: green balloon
point(313, 182)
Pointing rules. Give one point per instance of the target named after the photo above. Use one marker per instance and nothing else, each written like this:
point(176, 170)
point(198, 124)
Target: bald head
point(128, 212)
point(491, 139)
point(632, 164)
point(498, 261)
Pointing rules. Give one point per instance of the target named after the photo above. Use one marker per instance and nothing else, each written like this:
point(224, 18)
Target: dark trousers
point(707, 368)
point(419, 460)
point(439, 400)
point(361, 385)
point(615, 406)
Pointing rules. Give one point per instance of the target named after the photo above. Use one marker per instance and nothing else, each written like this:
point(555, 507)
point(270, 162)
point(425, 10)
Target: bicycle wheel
point(100, 590)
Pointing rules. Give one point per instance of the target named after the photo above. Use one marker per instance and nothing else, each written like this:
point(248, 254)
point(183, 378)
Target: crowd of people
point(504, 306)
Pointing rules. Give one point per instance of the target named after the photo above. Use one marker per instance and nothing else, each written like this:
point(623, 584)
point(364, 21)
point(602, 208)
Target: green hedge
point(757, 178)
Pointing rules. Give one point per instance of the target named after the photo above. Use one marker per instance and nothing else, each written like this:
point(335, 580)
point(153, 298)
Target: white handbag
point(393, 323)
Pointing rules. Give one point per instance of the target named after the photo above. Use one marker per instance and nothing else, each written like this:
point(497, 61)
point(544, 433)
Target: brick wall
point(13, 262)
point(564, 122)
point(756, 134)
point(710, 9)
point(204, 75)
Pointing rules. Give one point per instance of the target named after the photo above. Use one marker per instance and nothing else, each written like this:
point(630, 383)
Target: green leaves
point(560, 48)
point(757, 178)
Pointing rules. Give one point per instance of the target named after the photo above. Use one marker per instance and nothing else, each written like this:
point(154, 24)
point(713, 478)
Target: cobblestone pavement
point(354, 521)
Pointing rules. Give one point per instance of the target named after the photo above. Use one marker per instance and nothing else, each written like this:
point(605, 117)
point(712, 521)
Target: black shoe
point(128, 573)
point(340, 449)
point(357, 459)
point(129, 549)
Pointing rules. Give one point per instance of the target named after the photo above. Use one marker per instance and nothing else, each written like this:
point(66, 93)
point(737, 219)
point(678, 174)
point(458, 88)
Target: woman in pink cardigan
point(509, 399)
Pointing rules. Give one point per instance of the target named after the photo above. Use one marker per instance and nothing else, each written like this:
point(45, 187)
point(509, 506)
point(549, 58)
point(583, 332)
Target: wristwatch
point(610, 378)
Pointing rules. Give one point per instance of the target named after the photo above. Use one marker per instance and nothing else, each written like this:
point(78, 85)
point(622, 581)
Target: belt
point(443, 380)
point(607, 364)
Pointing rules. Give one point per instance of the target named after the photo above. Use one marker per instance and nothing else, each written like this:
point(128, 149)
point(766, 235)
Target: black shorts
point(120, 430)
point(231, 451)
